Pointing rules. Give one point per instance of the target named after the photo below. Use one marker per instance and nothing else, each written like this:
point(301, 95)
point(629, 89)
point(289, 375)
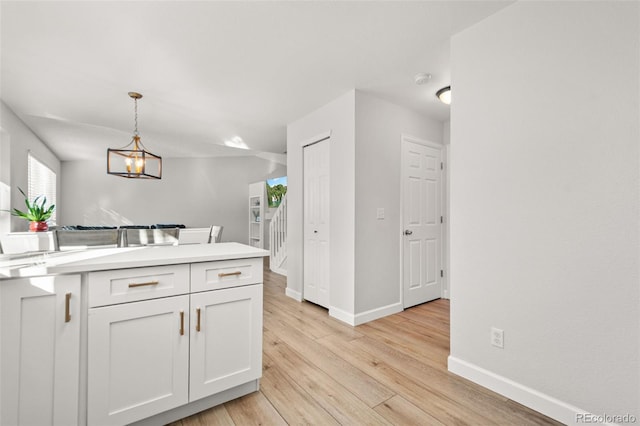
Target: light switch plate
point(380, 213)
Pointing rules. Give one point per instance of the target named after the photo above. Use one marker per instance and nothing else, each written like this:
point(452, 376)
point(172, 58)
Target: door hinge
point(441, 219)
point(441, 273)
point(441, 166)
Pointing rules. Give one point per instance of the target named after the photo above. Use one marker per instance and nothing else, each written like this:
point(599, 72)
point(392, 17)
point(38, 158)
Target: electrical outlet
point(380, 213)
point(497, 337)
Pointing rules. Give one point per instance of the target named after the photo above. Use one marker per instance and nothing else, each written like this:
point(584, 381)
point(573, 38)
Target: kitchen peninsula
point(125, 335)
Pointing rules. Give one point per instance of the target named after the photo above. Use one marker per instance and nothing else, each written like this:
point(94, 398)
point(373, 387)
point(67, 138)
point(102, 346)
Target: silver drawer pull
point(229, 274)
point(132, 285)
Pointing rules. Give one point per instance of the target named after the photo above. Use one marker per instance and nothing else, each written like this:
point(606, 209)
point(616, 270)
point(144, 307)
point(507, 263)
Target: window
point(42, 181)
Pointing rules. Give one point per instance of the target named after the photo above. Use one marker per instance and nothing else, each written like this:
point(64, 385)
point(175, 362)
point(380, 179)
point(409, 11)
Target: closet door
point(316, 223)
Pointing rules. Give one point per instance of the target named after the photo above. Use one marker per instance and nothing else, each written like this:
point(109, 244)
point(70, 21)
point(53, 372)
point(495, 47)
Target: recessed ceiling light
point(444, 95)
point(422, 78)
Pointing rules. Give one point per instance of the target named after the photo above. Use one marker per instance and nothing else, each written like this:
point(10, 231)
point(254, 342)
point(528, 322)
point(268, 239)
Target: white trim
point(294, 294)
point(409, 138)
point(446, 231)
point(315, 139)
point(376, 313)
point(545, 404)
point(343, 316)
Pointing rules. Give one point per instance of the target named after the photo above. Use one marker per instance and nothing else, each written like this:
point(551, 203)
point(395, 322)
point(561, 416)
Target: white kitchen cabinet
point(138, 359)
point(104, 337)
point(131, 285)
point(40, 337)
point(162, 337)
point(207, 276)
point(226, 339)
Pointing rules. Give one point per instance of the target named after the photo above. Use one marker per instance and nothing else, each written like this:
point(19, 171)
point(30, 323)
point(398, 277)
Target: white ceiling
point(210, 71)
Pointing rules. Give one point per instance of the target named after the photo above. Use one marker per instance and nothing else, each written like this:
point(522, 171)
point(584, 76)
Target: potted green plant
point(37, 213)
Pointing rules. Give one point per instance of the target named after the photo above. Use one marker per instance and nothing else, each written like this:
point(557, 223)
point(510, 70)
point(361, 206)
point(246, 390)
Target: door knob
point(408, 232)
point(315, 232)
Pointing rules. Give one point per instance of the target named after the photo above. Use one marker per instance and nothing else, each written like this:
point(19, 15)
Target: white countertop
point(36, 264)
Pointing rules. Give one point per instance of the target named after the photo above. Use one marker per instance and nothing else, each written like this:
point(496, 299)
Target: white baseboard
point(293, 294)
point(363, 317)
point(545, 404)
point(341, 315)
point(374, 314)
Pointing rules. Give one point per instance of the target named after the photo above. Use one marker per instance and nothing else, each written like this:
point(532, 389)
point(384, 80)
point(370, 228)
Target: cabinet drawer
point(225, 273)
point(130, 285)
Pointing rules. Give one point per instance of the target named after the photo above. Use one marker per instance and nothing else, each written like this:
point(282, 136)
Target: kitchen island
point(119, 336)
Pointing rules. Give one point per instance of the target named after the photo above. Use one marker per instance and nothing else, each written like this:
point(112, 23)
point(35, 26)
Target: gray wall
point(545, 138)
point(194, 192)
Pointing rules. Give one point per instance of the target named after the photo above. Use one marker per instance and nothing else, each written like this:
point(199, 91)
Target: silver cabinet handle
point(408, 232)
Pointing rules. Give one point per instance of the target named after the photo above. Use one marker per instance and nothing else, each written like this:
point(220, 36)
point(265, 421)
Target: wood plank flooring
point(393, 371)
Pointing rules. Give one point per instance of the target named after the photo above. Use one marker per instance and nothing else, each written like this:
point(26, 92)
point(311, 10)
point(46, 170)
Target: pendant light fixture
point(134, 161)
point(444, 95)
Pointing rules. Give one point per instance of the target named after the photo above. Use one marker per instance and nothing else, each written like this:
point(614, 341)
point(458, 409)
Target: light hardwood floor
point(320, 371)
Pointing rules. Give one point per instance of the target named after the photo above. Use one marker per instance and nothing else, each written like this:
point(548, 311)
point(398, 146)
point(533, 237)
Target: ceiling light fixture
point(136, 163)
point(444, 95)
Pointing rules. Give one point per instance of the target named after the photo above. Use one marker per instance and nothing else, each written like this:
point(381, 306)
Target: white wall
point(21, 140)
point(338, 117)
point(379, 126)
point(545, 212)
point(194, 192)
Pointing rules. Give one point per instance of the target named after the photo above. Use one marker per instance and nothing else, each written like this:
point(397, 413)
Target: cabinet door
point(226, 340)
point(40, 338)
point(138, 362)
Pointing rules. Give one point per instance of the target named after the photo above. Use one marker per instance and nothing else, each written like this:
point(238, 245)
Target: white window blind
point(42, 181)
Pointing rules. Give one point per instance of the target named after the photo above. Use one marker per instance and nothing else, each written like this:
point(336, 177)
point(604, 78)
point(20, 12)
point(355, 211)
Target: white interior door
point(422, 228)
point(316, 223)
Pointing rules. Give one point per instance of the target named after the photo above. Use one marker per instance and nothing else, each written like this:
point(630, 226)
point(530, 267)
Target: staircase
point(278, 239)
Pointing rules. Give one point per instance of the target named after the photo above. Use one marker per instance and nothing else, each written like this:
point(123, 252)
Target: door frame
point(321, 137)
point(444, 195)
